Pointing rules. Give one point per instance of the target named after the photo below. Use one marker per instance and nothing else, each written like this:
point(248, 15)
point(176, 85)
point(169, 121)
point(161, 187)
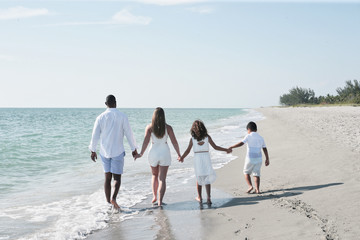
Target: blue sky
point(180, 53)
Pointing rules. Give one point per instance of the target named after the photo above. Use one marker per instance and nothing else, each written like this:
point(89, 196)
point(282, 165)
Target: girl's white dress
point(204, 171)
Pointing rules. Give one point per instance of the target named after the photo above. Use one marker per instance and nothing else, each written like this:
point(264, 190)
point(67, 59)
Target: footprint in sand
point(247, 226)
point(149, 212)
point(299, 206)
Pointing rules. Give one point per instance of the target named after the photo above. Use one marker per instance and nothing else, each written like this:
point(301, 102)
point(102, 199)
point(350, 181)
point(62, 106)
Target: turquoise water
point(48, 184)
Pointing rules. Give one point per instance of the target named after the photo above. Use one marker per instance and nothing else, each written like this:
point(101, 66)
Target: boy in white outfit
point(253, 158)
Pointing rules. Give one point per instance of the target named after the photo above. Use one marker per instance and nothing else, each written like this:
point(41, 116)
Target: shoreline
point(76, 182)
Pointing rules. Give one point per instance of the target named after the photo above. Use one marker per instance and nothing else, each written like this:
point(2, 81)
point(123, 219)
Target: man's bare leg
point(117, 180)
point(107, 186)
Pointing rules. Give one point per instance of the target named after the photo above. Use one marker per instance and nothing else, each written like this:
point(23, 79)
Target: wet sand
point(181, 218)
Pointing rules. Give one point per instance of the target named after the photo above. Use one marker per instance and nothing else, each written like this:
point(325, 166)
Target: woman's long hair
point(158, 123)
point(198, 130)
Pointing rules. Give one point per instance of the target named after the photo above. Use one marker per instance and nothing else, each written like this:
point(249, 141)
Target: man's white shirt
point(110, 128)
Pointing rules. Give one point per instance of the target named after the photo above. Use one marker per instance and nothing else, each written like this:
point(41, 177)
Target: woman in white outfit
point(159, 155)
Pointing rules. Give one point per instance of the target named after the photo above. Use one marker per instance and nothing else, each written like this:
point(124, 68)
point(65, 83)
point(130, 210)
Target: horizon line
point(133, 107)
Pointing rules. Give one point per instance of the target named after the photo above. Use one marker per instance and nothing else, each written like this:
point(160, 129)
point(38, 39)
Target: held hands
point(134, 153)
point(180, 159)
point(229, 150)
point(137, 156)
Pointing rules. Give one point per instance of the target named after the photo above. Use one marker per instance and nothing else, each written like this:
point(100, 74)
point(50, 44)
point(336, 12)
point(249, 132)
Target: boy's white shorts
point(252, 168)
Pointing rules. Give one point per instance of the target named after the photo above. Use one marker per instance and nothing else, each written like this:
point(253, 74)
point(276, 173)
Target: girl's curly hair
point(198, 130)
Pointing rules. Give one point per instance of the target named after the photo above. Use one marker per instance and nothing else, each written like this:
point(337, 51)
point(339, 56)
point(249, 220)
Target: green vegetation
point(350, 94)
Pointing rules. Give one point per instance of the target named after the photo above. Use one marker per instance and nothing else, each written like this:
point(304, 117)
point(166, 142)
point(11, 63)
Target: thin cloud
point(123, 17)
point(22, 12)
point(77, 24)
point(201, 10)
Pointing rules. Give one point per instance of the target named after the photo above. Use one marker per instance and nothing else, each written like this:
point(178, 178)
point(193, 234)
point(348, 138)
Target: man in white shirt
point(110, 128)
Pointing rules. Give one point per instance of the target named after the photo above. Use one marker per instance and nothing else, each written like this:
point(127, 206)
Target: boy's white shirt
point(255, 143)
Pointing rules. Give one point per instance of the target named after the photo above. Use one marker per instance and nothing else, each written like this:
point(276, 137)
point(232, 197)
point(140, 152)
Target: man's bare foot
point(198, 199)
point(154, 200)
point(161, 204)
point(249, 190)
point(257, 191)
point(209, 201)
point(114, 203)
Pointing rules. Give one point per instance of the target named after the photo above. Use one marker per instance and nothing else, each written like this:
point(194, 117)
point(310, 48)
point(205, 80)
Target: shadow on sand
point(305, 188)
point(272, 194)
point(250, 199)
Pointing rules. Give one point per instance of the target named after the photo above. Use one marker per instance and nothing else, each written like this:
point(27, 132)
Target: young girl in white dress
point(205, 174)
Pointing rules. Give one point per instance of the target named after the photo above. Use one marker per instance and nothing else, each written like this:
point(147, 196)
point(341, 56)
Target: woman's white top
point(159, 153)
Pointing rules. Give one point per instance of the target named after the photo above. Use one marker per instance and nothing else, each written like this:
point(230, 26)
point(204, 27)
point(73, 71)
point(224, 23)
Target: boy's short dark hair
point(252, 126)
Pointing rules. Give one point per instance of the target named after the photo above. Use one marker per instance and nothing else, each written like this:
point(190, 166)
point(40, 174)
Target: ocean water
point(50, 188)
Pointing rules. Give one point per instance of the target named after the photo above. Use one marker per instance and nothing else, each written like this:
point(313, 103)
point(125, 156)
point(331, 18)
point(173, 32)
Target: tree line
point(349, 94)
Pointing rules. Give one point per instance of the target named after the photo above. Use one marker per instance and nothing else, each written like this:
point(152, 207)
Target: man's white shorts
point(113, 165)
point(252, 168)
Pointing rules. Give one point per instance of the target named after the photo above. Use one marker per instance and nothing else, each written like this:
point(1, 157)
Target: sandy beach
point(310, 190)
